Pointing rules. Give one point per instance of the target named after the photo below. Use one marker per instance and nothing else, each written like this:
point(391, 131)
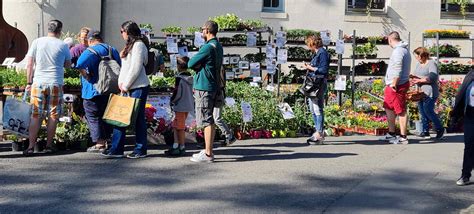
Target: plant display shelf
point(438, 38)
point(354, 59)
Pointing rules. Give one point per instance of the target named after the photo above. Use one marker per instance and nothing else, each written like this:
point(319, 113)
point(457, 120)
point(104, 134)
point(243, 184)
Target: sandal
point(28, 152)
point(97, 148)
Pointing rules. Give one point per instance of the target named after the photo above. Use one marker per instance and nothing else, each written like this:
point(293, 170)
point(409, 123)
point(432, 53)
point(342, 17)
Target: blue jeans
point(426, 109)
point(316, 106)
point(118, 138)
point(94, 109)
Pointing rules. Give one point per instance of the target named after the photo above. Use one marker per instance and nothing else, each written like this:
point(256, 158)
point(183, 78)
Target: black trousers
point(468, 160)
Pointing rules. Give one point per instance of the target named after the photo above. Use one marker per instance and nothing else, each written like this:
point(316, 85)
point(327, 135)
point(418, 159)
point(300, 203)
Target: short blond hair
point(84, 30)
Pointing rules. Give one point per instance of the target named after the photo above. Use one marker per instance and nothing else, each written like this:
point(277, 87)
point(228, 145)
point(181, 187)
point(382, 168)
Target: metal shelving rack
point(259, 38)
point(438, 39)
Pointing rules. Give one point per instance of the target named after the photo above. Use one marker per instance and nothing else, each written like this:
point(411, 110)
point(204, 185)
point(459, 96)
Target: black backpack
point(151, 67)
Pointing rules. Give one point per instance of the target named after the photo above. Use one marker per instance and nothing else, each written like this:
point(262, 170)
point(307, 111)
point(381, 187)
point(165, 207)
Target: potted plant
point(228, 22)
point(171, 30)
point(370, 50)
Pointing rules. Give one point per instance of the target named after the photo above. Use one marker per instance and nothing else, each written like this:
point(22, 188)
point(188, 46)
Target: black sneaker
point(440, 134)
point(462, 181)
point(134, 155)
point(424, 135)
point(110, 155)
point(229, 140)
point(175, 152)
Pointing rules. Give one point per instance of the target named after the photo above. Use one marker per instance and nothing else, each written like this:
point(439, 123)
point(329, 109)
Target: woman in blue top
point(464, 108)
point(318, 67)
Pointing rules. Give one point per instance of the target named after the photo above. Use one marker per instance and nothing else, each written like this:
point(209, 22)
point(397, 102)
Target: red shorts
point(396, 100)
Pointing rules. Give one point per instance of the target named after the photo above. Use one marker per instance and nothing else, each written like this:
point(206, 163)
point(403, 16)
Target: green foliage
point(162, 82)
point(254, 23)
point(299, 34)
point(453, 67)
point(71, 73)
point(228, 21)
point(147, 26)
point(11, 78)
point(72, 82)
point(258, 57)
point(174, 30)
point(366, 49)
point(193, 29)
point(445, 50)
point(299, 53)
point(76, 131)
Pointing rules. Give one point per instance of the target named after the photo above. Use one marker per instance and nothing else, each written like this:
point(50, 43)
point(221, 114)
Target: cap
point(94, 34)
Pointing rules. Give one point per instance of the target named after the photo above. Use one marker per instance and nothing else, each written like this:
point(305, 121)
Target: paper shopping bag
point(121, 111)
point(16, 116)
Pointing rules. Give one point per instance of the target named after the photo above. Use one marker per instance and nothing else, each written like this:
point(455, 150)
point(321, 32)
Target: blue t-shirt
point(50, 54)
point(90, 62)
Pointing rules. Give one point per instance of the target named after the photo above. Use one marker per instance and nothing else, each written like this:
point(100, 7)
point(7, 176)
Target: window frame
point(364, 10)
point(279, 9)
point(453, 14)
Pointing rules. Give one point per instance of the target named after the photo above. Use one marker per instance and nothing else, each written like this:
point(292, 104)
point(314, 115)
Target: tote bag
point(121, 110)
point(17, 115)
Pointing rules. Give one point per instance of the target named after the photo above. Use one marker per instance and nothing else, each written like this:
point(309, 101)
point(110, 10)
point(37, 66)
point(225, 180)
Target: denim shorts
point(47, 98)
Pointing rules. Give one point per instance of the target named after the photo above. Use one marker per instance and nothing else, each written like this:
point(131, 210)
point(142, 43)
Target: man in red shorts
point(397, 84)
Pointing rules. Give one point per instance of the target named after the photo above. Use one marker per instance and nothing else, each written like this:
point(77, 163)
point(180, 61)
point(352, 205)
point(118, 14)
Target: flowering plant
point(157, 125)
point(446, 33)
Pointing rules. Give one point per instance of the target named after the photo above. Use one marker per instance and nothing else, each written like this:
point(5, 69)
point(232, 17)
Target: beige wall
point(28, 14)
point(403, 15)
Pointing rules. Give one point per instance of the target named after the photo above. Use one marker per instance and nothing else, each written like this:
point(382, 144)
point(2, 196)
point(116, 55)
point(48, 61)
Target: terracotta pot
point(240, 135)
point(340, 131)
point(381, 131)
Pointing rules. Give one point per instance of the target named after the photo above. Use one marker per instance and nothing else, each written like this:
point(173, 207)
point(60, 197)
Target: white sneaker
point(201, 157)
point(199, 154)
point(388, 137)
point(399, 140)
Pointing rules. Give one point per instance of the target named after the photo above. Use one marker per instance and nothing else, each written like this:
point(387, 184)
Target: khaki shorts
point(205, 102)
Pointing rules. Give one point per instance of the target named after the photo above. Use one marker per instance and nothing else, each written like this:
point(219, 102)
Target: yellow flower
point(148, 105)
point(375, 108)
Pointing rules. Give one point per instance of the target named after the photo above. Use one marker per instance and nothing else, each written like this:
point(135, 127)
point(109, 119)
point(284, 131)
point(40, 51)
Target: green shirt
point(207, 62)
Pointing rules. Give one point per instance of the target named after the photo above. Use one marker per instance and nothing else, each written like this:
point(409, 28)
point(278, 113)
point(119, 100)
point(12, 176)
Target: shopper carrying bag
point(121, 110)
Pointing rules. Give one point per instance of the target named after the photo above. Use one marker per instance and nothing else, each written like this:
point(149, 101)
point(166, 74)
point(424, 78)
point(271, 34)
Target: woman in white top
point(134, 82)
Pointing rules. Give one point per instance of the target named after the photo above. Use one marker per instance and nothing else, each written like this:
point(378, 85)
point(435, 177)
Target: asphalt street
point(354, 174)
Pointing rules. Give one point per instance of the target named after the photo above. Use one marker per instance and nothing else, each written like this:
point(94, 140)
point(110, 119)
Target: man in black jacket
point(464, 108)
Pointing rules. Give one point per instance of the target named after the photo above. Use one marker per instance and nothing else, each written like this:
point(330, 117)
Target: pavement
point(352, 174)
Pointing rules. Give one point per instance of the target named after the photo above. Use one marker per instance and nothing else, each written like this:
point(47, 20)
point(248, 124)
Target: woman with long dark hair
point(134, 82)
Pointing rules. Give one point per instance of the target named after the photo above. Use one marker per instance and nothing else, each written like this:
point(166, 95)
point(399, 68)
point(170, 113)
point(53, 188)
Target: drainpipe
point(102, 16)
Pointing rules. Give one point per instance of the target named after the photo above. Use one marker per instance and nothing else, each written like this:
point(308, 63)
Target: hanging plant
point(462, 7)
